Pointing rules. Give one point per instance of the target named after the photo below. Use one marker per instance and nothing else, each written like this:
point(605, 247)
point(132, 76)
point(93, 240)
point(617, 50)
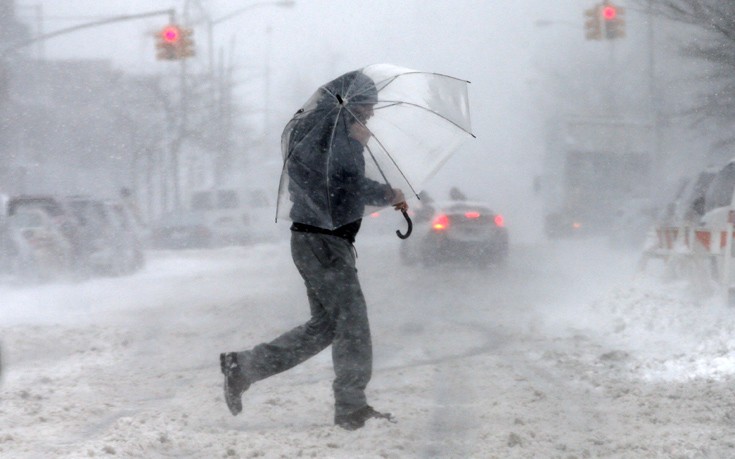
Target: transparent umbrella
point(366, 139)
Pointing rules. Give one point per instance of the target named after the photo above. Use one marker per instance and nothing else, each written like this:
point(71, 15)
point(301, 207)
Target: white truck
point(594, 169)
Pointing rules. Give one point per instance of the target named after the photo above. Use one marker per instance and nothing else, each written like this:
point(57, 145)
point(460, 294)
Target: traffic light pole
point(170, 12)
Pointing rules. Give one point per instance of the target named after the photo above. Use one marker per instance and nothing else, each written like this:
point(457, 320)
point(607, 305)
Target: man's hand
point(360, 132)
point(401, 204)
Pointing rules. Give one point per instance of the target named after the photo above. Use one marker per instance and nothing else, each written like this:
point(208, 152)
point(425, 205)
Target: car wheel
point(428, 260)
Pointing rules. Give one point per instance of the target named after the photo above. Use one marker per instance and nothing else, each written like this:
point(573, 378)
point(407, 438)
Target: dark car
point(181, 230)
point(460, 231)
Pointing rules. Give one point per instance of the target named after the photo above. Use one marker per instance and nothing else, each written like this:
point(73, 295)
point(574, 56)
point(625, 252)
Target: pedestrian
point(129, 201)
point(456, 195)
point(324, 255)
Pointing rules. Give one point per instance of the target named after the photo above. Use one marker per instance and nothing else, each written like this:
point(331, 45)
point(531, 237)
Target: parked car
point(181, 230)
point(111, 246)
point(235, 216)
point(459, 231)
point(61, 216)
point(37, 248)
point(692, 205)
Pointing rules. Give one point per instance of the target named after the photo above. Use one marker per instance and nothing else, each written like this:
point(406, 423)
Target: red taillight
point(499, 221)
point(472, 215)
point(440, 223)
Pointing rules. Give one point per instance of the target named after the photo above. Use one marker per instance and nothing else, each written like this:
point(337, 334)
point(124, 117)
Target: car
point(181, 230)
point(38, 249)
point(719, 196)
point(690, 206)
point(60, 215)
point(109, 242)
point(457, 231)
point(235, 216)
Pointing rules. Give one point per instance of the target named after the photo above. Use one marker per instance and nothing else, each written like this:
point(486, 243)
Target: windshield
point(719, 193)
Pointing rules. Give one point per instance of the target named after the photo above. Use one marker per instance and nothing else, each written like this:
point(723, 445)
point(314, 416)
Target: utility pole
point(653, 94)
point(217, 87)
point(267, 92)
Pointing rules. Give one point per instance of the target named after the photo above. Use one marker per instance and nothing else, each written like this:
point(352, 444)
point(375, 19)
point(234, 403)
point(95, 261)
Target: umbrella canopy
point(364, 134)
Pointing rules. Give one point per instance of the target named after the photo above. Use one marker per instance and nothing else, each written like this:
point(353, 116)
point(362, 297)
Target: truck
point(593, 170)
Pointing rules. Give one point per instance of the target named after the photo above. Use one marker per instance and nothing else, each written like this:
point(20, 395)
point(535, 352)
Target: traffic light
point(592, 23)
point(174, 43)
point(167, 41)
point(612, 16)
point(186, 43)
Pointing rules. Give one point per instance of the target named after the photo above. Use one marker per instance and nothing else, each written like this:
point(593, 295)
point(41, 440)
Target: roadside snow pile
point(671, 335)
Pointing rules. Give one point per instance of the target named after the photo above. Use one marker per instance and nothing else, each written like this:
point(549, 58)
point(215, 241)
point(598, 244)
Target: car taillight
point(440, 223)
point(499, 221)
point(472, 215)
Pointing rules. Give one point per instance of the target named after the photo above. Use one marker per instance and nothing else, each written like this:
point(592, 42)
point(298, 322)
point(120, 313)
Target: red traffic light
point(609, 13)
point(171, 34)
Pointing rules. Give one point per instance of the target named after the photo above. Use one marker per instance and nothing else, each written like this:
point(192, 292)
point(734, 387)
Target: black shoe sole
point(232, 395)
point(356, 420)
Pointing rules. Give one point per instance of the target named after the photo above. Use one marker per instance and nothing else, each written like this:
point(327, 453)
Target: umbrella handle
point(410, 226)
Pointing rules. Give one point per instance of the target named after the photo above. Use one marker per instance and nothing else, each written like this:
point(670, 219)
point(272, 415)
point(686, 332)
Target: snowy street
point(155, 157)
point(564, 353)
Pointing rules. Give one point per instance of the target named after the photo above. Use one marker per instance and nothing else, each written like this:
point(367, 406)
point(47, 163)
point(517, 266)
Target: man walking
point(324, 148)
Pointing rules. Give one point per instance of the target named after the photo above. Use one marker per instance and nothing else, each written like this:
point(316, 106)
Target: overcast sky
point(496, 44)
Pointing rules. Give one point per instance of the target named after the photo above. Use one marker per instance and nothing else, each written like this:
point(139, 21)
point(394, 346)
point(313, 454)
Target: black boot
point(356, 419)
point(235, 381)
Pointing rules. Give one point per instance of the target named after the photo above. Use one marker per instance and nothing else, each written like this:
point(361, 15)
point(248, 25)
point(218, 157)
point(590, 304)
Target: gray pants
point(338, 317)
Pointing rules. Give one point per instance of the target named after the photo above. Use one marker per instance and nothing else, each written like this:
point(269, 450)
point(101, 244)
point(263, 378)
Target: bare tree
point(716, 46)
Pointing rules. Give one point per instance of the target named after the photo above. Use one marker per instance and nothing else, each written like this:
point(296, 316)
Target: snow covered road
point(565, 353)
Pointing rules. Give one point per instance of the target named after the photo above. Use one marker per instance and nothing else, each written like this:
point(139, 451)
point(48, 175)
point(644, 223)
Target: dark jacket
point(331, 182)
point(326, 169)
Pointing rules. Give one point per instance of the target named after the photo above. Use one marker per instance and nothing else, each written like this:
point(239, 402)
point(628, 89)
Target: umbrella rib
point(384, 83)
point(280, 188)
point(380, 169)
point(375, 161)
point(398, 102)
point(413, 190)
point(288, 158)
point(329, 156)
point(387, 154)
